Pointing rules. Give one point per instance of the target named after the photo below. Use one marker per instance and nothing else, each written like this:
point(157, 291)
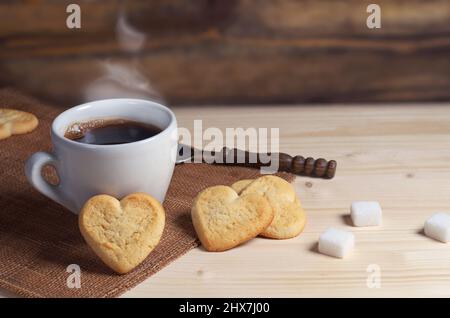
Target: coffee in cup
point(111, 131)
point(120, 146)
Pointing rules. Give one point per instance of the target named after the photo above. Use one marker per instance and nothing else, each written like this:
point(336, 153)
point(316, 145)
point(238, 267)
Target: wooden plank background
point(238, 51)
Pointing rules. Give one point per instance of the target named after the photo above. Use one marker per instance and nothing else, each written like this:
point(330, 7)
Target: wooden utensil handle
point(298, 165)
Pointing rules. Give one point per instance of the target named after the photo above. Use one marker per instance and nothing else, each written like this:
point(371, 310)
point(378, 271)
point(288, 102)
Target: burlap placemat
point(39, 239)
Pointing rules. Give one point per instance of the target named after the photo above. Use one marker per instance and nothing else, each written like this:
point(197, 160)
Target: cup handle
point(33, 168)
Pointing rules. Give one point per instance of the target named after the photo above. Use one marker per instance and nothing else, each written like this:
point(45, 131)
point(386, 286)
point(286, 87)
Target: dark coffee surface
point(110, 131)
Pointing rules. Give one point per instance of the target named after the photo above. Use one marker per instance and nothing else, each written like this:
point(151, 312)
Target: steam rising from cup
point(130, 39)
point(123, 79)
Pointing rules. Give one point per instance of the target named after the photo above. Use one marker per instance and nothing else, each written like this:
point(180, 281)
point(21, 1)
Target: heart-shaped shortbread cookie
point(290, 218)
point(122, 233)
point(15, 122)
point(223, 219)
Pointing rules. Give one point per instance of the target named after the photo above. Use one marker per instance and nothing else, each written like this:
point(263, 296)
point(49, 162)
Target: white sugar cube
point(336, 242)
point(438, 227)
point(366, 213)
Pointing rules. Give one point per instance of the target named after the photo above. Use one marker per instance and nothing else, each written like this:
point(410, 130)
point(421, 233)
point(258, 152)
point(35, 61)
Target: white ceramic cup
point(85, 170)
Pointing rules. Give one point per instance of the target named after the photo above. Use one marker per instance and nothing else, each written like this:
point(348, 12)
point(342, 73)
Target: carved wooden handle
point(320, 168)
point(298, 165)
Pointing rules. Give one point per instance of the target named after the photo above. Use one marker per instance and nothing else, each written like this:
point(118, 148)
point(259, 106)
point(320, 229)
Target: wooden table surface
point(398, 155)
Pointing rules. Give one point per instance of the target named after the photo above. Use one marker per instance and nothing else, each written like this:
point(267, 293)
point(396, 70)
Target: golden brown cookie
point(290, 218)
point(223, 219)
point(16, 122)
point(122, 233)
